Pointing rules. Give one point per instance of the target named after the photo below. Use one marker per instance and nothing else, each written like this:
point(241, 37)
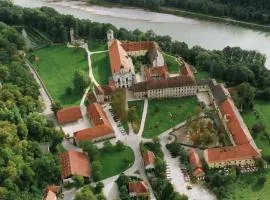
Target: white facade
point(124, 79)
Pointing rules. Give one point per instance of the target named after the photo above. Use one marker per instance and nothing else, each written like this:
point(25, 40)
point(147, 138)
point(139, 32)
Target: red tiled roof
point(101, 124)
point(69, 114)
point(225, 154)
point(118, 57)
point(53, 188)
point(148, 158)
point(156, 73)
point(138, 46)
point(74, 163)
point(104, 90)
point(194, 159)
point(186, 70)
point(138, 188)
point(233, 123)
point(195, 163)
point(50, 195)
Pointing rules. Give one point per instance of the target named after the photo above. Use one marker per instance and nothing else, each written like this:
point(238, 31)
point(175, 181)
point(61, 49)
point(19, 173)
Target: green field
point(114, 162)
point(245, 188)
point(101, 67)
point(167, 113)
point(56, 67)
point(172, 64)
point(139, 111)
point(97, 45)
point(263, 109)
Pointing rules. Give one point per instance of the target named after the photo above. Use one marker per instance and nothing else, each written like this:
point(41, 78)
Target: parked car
point(189, 187)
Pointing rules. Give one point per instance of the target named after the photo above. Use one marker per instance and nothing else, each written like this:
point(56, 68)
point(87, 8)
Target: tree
point(92, 150)
point(107, 146)
point(78, 180)
point(99, 187)
point(85, 194)
point(245, 96)
point(80, 81)
point(132, 115)
point(160, 167)
point(261, 180)
point(56, 105)
point(96, 170)
point(118, 100)
point(120, 146)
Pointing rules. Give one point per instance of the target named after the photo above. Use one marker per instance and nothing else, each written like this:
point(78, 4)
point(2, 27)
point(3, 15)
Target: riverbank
point(184, 13)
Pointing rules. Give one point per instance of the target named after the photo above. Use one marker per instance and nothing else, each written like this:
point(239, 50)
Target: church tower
point(110, 37)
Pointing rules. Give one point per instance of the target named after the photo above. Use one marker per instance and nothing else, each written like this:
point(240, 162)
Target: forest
point(244, 10)
point(24, 169)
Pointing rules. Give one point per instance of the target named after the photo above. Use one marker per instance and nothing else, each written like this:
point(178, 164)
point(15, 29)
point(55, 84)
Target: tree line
point(24, 168)
point(243, 10)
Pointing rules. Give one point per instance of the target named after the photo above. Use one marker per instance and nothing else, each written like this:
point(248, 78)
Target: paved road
point(43, 95)
point(145, 110)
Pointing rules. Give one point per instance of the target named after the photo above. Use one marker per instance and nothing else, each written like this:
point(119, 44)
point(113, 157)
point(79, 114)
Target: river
point(210, 35)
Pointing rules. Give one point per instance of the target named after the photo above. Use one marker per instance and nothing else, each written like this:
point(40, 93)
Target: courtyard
point(164, 114)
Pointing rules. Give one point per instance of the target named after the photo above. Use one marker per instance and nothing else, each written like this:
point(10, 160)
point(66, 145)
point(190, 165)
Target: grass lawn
point(139, 111)
point(101, 67)
point(202, 75)
point(172, 64)
point(263, 108)
point(114, 162)
point(97, 45)
point(167, 113)
point(56, 66)
point(245, 188)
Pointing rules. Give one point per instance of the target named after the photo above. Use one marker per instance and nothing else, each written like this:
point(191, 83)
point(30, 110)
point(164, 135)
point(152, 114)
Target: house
point(156, 73)
point(74, 163)
point(186, 70)
point(196, 165)
point(120, 53)
point(243, 150)
point(103, 93)
point(49, 195)
point(101, 127)
point(148, 160)
point(121, 65)
point(137, 189)
point(164, 88)
point(69, 114)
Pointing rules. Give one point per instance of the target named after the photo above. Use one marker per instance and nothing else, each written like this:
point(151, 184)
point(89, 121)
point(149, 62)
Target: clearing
point(114, 162)
point(57, 66)
point(101, 67)
point(166, 113)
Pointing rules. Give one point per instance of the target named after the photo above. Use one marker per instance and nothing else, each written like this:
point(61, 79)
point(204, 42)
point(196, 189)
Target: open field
point(114, 162)
point(97, 45)
point(139, 111)
point(56, 67)
point(246, 188)
point(263, 109)
point(101, 67)
point(172, 64)
point(167, 113)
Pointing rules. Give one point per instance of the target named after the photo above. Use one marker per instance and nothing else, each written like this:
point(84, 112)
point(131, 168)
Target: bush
point(99, 187)
point(120, 146)
point(78, 181)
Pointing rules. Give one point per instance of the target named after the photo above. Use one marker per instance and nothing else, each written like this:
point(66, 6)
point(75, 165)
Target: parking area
point(115, 122)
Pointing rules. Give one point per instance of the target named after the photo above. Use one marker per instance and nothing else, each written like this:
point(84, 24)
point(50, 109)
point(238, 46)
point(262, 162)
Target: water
point(210, 35)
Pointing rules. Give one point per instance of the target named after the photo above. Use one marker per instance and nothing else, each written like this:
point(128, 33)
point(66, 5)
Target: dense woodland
point(24, 169)
point(244, 10)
